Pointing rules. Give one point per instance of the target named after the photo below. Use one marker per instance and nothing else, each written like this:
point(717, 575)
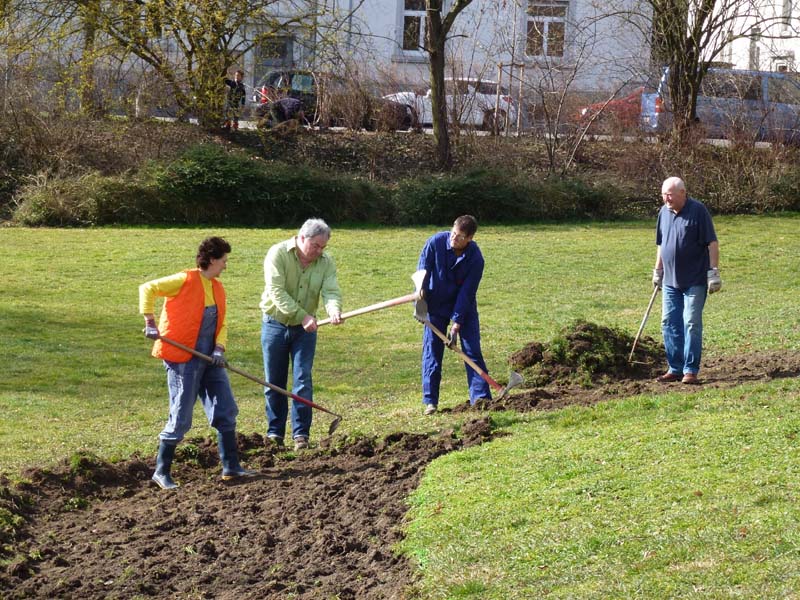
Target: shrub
point(210, 185)
point(785, 192)
point(498, 197)
point(90, 199)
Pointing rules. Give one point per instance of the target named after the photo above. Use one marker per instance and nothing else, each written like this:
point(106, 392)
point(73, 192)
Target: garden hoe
point(275, 388)
point(417, 278)
point(421, 315)
point(644, 320)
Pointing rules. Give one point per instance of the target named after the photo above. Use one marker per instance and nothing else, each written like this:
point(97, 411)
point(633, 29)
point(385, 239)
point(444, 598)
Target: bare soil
point(321, 524)
point(716, 373)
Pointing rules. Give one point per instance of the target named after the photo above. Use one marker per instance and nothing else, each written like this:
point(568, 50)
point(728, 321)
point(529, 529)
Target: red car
point(618, 114)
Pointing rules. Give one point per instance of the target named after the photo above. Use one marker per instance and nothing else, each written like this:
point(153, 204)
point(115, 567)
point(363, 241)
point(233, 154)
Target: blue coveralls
point(450, 292)
point(188, 380)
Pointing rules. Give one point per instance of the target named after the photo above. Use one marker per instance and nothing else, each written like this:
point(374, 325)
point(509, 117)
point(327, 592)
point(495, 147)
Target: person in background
point(455, 266)
point(686, 270)
point(194, 315)
point(235, 94)
point(297, 272)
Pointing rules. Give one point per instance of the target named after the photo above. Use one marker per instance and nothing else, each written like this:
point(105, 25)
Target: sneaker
point(275, 440)
point(690, 379)
point(668, 377)
point(300, 443)
point(430, 409)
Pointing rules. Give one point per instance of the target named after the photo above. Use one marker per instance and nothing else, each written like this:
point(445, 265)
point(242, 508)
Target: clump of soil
point(318, 524)
point(585, 353)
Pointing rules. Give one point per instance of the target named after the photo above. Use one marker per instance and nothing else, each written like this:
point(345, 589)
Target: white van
point(762, 105)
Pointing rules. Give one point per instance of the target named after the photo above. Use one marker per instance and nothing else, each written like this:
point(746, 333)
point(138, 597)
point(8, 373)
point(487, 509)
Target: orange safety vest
point(183, 314)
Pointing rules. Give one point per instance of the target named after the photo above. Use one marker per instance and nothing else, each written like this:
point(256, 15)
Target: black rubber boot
point(229, 457)
point(166, 452)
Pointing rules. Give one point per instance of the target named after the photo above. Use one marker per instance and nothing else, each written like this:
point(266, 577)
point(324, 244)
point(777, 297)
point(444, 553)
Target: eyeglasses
point(457, 237)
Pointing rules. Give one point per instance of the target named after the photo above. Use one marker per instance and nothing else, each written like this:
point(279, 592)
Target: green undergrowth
point(650, 497)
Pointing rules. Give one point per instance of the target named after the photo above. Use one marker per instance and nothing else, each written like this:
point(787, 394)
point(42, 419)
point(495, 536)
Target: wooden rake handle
point(263, 382)
point(373, 307)
point(484, 375)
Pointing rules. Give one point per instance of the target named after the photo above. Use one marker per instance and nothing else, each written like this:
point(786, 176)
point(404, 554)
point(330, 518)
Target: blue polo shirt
point(684, 240)
point(453, 280)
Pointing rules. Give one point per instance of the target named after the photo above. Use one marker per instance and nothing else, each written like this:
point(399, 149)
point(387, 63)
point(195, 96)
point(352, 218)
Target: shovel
point(417, 278)
point(421, 315)
point(644, 320)
point(275, 388)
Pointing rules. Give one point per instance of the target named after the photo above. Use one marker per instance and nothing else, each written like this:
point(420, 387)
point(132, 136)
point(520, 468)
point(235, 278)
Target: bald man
point(686, 269)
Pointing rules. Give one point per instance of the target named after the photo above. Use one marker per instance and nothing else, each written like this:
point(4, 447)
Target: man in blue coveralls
point(455, 266)
point(687, 269)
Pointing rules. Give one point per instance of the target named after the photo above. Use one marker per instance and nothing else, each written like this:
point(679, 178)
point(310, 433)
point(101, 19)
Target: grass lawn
point(645, 497)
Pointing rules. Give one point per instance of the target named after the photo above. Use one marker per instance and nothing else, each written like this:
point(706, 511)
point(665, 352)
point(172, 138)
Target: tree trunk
point(436, 36)
point(90, 104)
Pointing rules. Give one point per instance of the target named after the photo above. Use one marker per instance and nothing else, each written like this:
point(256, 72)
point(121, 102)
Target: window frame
point(410, 13)
point(546, 21)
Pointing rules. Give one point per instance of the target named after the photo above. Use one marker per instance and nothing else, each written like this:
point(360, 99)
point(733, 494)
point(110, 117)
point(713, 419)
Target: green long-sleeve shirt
point(292, 292)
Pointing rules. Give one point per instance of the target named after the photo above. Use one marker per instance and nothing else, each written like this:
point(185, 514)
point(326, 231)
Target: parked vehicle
point(469, 102)
point(332, 100)
point(613, 116)
point(759, 105)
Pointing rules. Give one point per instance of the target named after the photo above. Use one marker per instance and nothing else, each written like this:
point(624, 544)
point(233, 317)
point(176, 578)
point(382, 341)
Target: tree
point(688, 36)
point(439, 25)
point(192, 44)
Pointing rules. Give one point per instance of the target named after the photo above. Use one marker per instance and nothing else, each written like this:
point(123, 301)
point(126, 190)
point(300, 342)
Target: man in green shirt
point(297, 272)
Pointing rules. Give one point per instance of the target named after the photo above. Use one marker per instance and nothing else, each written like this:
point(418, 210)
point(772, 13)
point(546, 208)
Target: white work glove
point(714, 281)
point(150, 329)
point(218, 357)
point(658, 277)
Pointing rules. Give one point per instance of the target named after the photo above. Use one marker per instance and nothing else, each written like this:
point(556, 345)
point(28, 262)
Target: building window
point(413, 25)
point(546, 27)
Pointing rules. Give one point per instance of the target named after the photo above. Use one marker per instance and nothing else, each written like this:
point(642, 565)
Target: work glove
point(452, 339)
point(150, 329)
point(714, 281)
point(658, 277)
point(218, 357)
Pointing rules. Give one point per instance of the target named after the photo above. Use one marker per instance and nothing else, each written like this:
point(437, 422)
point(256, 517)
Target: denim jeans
point(433, 354)
point(279, 344)
point(682, 327)
point(188, 380)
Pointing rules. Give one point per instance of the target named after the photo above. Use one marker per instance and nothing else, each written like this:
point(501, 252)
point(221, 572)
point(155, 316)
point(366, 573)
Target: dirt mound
point(320, 524)
point(715, 372)
point(585, 353)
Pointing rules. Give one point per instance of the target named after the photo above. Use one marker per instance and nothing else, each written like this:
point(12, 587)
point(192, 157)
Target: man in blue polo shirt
point(687, 269)
point(455, 266)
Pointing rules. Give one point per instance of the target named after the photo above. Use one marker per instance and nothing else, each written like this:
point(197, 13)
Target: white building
point(766, 37)
point(382, 39)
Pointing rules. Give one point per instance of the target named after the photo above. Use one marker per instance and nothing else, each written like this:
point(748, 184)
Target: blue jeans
point(682, 327)
point(279, 344)
point(433, 353)
point(186, 381)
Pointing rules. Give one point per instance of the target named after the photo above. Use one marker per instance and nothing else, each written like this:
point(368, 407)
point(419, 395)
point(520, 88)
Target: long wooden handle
point(644, 320)
point(263, 382)
point(373, 307)
point(484, 375)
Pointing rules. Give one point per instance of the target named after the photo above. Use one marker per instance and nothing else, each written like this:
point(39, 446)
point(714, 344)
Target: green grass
point(645, 497)
point(675, 496)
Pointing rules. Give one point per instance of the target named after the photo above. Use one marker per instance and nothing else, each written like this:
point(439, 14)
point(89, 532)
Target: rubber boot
point(166, 452)
point(229, 457)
